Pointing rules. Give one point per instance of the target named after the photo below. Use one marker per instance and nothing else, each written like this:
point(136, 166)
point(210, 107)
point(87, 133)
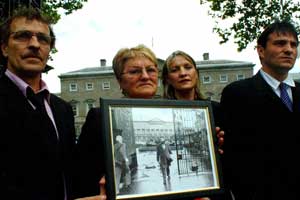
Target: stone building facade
point(83, 88)
point(151, 131)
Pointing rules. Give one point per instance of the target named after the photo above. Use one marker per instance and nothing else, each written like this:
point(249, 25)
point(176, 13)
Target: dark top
point(90, 156)
point(261, 141)
point(32, 167)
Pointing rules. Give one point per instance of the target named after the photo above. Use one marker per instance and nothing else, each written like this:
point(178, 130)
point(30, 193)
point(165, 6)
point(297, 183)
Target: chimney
point(205, 56)
point(102, 62)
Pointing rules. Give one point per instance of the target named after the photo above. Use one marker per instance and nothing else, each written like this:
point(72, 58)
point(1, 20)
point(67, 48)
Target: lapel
point(57, 115)
point(64, 122)
point(12, 96)
point(267, 94)
point(263, 88)
point(296, 98)
point(14, 104)
point(18, 115)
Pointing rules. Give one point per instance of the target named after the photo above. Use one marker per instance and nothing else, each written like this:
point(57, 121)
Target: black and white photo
point(159, 148)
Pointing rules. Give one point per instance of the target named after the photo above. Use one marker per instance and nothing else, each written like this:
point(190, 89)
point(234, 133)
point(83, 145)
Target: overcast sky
point(102, 27)
point(146, 114)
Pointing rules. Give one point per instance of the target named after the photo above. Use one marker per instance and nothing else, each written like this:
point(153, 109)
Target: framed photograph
point(160, 149)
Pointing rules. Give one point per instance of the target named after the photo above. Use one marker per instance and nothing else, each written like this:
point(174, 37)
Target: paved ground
point(148, 179)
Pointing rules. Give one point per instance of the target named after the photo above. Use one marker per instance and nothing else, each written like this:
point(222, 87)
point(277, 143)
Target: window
point(73, 87)
point(106, 85)
point(75, 109)
point(89, 86)
point(89, 105)
point(223, 78)
point(77, 130)
point(240, 76)
point(206, 79)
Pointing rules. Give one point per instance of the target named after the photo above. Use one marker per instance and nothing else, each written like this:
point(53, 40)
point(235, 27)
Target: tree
point(51, 7)
point(243, 20)
point(48, 7)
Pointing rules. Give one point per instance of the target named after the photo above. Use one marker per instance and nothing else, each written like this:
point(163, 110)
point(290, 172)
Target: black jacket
point(31, 167)
point(261, 141)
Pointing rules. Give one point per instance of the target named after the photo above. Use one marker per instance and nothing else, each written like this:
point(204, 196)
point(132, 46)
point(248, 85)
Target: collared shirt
point(275, 83)
point(22, 85)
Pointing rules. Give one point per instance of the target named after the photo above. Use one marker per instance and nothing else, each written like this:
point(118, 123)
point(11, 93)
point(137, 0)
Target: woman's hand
point(220, 136)
point(102, 195)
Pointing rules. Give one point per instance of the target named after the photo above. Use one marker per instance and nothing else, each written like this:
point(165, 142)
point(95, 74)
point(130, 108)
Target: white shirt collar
point(275, 83)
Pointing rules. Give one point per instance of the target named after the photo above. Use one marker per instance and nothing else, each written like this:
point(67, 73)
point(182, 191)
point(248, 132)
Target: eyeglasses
point(25, 36)
point(137, 72)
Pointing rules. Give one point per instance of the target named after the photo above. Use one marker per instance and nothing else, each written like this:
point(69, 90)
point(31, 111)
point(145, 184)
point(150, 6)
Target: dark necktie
point(38, 101)
point(285, 97)
point(50, 135)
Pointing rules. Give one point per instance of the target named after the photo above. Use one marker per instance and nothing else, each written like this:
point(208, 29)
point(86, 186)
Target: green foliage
point(243, 20)
point(54, 8)
point(51, 7)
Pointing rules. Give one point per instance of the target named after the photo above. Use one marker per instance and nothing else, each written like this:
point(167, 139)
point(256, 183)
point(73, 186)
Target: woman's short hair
point(124, 54)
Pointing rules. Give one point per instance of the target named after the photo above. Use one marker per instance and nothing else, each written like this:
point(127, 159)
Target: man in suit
point(37, 135)
point(261, 146)
point(164, 159)
point(122, 169)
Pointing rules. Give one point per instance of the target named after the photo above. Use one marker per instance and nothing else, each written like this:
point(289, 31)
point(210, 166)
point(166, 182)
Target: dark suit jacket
point(261, 141)
point(31, 167)
point(163, 155)
point(90, 156)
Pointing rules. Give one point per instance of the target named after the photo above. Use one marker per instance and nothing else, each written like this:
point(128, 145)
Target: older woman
point(137, 73)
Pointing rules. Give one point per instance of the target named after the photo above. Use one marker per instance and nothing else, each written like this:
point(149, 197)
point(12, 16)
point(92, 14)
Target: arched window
point(75, 107)
point(90, 103)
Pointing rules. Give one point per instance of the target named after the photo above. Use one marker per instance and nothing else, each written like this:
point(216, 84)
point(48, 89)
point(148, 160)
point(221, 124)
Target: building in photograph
point(150, 131)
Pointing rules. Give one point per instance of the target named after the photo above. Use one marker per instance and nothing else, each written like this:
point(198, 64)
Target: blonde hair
point(169, 90)
point(124, 54)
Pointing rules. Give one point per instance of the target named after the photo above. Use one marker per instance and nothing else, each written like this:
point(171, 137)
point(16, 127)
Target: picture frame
point(160, 149)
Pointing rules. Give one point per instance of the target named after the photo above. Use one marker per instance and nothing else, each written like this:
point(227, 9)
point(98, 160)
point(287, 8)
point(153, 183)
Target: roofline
point(199, 66)
point(222, 65)
point(78, 73)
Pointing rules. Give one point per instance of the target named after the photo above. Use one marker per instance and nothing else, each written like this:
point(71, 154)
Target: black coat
point(31, 167)
point(90, 156)
point(261, 141)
